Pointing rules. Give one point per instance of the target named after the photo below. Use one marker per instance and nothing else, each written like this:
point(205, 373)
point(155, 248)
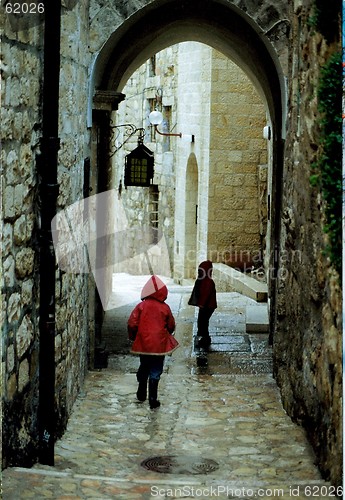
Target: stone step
point(257, 319)
point(228, 279)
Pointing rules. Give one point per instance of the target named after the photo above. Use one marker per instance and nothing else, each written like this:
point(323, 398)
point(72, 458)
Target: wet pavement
point(221, 431)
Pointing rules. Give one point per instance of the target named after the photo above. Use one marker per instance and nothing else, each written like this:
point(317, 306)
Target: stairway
point(228, 279)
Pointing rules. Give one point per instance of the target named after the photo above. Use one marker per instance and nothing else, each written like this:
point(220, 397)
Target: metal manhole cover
point(180, 465)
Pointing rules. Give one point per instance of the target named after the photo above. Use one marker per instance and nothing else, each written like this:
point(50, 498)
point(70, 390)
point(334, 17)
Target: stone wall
point(192, 160)
point(152, 208)
point(22, 52)
point(238, 153)
point(20, 116)
point(220, 105)
point(73, 313)
point(307, 340)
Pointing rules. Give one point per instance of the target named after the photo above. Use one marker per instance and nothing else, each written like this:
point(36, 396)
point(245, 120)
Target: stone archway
point(255, 39)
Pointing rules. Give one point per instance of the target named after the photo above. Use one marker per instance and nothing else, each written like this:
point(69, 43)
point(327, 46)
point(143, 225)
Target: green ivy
point(328, 169)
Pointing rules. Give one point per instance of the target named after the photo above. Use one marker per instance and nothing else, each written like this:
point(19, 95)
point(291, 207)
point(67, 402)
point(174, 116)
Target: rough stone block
point(13, 309)
point(23, 377)
point(25, 262)
point(9, 208)
point(24, 336)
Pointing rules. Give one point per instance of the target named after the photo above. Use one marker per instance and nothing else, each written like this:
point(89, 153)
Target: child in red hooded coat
point(151, 325)
point(204, 297)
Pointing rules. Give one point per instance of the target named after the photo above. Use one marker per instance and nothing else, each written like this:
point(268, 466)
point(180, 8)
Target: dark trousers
point(203, 321)
point(151, 367)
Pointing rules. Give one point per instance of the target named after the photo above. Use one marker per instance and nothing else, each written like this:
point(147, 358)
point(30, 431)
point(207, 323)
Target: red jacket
point(152, 322)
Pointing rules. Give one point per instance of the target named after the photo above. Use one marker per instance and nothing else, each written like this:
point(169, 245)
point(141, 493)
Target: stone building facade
point(281, 48)
point(211, 189)
point(152, 86)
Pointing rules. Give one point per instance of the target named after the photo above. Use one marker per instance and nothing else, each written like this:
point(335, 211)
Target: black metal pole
point(47, 167)
point(274, 263)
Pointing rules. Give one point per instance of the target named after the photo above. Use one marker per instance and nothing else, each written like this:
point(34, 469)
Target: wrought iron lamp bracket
point(129, 131)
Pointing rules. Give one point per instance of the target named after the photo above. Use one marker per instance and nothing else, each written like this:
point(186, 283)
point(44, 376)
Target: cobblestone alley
point(221, 431)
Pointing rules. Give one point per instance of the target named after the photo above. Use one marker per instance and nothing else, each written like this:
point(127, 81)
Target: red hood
point(155, 289)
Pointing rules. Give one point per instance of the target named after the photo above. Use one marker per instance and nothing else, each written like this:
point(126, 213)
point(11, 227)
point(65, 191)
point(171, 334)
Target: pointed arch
point(224, 27)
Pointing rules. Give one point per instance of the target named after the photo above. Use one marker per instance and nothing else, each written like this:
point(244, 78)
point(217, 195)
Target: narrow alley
point(221, 430)
point(147, 136)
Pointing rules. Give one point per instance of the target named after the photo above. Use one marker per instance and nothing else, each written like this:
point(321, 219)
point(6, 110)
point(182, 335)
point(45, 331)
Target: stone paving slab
point(237, 421)
point(70, 486)
point(229, 412)
point(233, 347)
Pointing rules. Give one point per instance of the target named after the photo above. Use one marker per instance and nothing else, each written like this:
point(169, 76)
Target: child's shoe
point(142, 391)
point(154, 404)
point(153, 389)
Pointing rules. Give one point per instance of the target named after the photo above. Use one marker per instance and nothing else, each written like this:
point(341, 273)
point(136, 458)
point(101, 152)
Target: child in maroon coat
point(151, 325)
point(204, 297)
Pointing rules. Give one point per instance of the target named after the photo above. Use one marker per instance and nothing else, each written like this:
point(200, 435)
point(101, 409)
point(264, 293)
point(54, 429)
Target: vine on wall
point(328, 168)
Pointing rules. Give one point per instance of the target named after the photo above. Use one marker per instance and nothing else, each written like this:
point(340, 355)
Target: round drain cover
point(180, 465)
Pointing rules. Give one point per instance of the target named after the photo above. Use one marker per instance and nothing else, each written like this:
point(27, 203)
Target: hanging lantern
point(139, 167)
